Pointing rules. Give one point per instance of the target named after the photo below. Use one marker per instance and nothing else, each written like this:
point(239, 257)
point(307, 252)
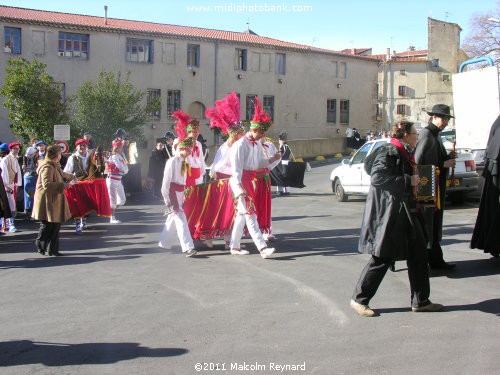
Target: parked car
point(350, 177)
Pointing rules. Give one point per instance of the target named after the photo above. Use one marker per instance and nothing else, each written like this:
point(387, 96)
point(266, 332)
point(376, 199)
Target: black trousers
point(48, 237)
point(436, 252)
point(418, 273)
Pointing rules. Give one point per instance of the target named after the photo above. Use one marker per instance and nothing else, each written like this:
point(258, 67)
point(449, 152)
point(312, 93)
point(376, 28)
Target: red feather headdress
point(261, 119)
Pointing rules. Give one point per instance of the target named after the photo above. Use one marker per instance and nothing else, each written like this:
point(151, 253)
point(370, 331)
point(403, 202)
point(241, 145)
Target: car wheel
point(338, 190)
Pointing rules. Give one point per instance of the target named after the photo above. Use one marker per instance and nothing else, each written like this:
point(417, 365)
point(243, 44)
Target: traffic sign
point(64, 146)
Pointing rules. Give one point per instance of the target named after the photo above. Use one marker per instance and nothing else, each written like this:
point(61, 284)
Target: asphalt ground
point(118, 304)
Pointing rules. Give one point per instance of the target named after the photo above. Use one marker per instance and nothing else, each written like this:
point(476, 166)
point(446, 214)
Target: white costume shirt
point(222, 161)
point(193, 161)
point(10, 167)
point(269, 150)
point(70, 164)
point(245, 155)
point(119, 161)
point(172, 173)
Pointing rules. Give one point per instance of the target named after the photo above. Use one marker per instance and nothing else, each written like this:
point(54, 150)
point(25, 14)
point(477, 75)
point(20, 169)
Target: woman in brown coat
point(50, 205)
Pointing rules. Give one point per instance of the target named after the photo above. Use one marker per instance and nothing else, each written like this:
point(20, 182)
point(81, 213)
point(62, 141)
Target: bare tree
point(484, 37)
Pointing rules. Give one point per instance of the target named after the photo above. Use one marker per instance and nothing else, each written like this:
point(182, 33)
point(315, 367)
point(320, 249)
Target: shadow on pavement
point(24, 352)
point(471, 268)
point(491, 306)
point(45, 261)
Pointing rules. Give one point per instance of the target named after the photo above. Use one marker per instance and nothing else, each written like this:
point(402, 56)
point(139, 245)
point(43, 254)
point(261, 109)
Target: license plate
point(456, 182)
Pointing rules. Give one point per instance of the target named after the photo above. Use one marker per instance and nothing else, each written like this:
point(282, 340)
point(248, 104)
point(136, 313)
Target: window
point(401, 109)
point(12, 40)
point(38, 46)
point(403, 91)
point(255, 61)
point(240, 59)
point(331, 110)
point(250, 107)
point(361, 154)
point(193, 55)
point(265, 63)
point(153, 103)
point(402, 72)
point(139, 50)
point(342, 69)
point(173, 101)
point(344, 111)
point(168, 53)
point(446, 78)
point(268, 104)
point(74, 45)
point(280, 63)
point(335, 69)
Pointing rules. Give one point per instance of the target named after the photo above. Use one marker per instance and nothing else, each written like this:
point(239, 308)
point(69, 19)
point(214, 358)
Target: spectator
point(50, 206)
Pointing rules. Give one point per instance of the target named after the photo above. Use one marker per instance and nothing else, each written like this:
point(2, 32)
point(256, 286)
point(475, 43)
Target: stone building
point(412, 81)
point(313, 94)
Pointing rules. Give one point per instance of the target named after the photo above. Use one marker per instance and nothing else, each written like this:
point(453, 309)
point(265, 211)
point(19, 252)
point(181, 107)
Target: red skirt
point(263, 200)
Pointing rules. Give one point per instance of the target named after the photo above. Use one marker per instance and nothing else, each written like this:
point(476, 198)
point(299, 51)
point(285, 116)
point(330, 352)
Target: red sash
point(191, 178)
point(174, 188)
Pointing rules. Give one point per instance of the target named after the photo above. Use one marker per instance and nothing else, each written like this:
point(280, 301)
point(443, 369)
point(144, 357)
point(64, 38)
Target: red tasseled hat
point(261, 119)
point(181, 128)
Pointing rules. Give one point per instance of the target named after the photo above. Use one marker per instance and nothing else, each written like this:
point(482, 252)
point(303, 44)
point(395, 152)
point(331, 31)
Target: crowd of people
point(53, 188)
point(237, 197)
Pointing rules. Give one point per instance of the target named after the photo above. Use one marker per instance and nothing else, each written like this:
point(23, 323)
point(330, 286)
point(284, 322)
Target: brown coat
point(50, 202)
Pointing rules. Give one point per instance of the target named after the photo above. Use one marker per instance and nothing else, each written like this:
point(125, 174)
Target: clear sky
point(330, 24)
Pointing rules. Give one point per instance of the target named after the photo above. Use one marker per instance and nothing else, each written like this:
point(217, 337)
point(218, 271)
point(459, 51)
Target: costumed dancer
point(173, 185)
point(225, 116)
point(196, 159)
point(11, 176)
point(263, 190)
point(117, 168)
point(247, 157)
point(78, 164)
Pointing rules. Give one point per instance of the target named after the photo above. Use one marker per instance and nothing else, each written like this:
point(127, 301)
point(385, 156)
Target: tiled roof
point(77, 21)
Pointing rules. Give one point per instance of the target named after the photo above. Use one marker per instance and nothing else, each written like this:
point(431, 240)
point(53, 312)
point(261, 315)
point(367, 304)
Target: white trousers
point(176, 222)
point(116, 193)
point(242, 218)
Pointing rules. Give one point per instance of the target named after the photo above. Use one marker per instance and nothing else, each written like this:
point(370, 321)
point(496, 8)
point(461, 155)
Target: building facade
point(411, 82)
point(311, 93)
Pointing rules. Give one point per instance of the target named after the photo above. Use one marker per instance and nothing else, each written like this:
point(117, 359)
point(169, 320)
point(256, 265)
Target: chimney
point(388, 53)
point(105, 14)
point(353, 51)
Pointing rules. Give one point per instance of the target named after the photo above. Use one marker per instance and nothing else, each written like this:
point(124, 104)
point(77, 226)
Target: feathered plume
point(225, 114)
point(182, 122)
point(260, 115)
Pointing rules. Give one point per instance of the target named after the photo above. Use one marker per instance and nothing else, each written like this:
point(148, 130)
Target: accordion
point(427, 190)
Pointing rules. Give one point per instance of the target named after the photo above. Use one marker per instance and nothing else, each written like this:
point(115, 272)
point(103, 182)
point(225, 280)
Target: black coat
point(386, 228)
point(431, 151)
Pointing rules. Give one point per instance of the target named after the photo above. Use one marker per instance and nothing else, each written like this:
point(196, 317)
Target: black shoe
point(39, 248)
point(392, 267)
point(57, 254)
point(442, 266)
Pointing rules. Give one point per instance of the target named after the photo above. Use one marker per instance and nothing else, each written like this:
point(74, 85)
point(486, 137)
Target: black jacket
point(386, 229)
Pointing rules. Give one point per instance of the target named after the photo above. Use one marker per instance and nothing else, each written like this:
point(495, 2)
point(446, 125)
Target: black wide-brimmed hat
point(440, 110)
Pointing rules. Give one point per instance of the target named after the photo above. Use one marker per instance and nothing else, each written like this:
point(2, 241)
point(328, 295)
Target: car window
point(361, 154)
point(378, 144)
